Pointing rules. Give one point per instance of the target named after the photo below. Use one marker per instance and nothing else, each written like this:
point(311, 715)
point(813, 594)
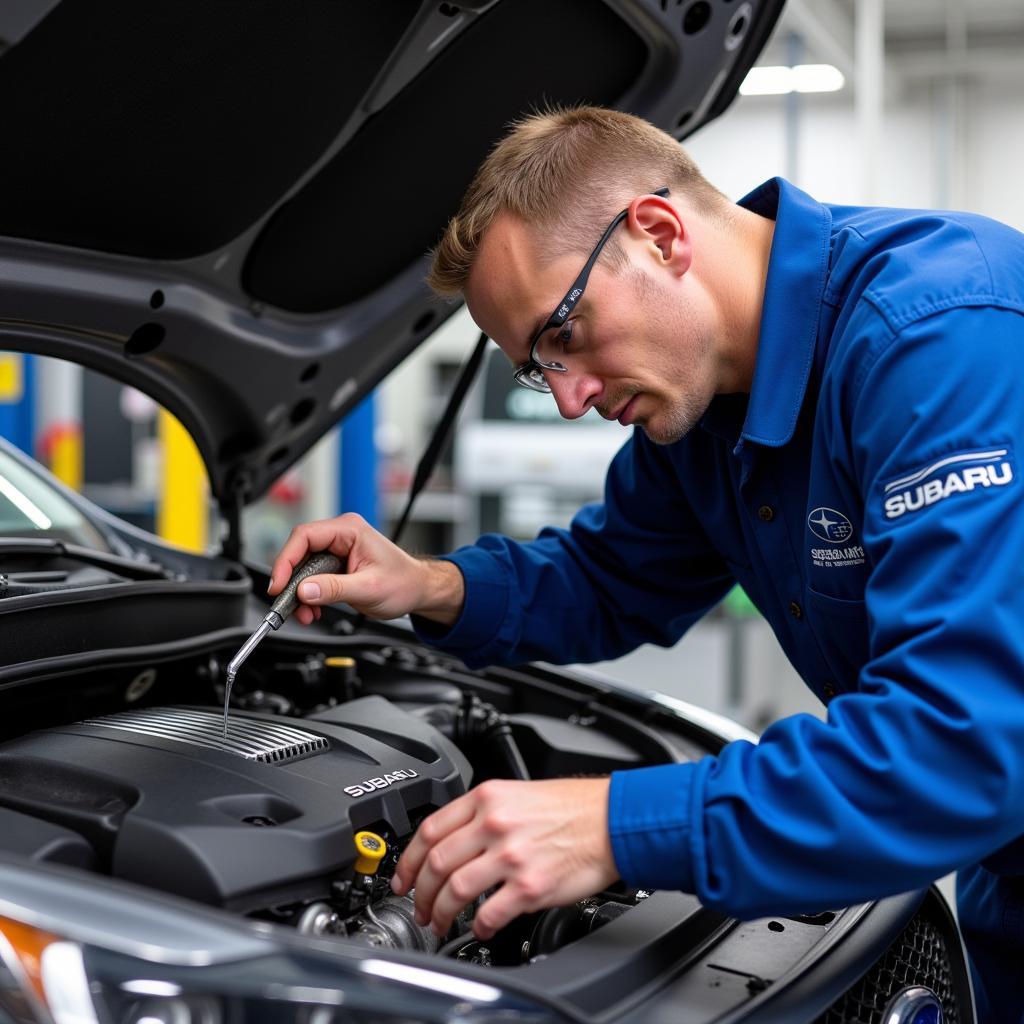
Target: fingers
point(433, 829)
point(305, 615)
point(545, 843)
point(446, 858)
point(370, 589)
point(335, 535)
point(505, 905)
point(462, 887)
point(327, 588)
point(452, 858)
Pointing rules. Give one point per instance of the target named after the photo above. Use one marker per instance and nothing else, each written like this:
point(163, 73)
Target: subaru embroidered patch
point(945, 478)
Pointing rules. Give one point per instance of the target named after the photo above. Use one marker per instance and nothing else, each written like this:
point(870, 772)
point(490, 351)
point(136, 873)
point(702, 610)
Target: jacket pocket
point(840, 627)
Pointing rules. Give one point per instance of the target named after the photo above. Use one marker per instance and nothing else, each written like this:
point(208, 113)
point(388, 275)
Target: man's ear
point(655, 220)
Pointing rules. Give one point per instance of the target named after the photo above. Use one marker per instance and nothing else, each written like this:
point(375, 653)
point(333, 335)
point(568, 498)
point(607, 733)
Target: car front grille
point(251, 738)
point(918, 956)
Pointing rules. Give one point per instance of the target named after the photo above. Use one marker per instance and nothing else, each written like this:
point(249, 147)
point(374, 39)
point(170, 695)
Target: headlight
point(45, 978)
point(77, 949)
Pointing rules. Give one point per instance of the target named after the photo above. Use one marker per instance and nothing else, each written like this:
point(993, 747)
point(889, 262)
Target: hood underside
point(227, 205)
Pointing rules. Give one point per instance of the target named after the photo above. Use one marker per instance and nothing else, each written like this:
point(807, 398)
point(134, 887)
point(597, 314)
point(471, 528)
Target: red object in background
point(287, 489)
point(56, 433)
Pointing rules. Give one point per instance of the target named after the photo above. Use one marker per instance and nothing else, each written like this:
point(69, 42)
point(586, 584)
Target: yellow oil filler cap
point(370, 850)
point(340, 661)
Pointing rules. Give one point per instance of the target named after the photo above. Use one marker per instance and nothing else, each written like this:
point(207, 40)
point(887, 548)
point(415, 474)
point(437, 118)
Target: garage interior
point(903, 103)
point(928, 113)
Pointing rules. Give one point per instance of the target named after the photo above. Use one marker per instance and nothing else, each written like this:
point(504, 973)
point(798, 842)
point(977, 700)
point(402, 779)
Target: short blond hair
point(567, 171)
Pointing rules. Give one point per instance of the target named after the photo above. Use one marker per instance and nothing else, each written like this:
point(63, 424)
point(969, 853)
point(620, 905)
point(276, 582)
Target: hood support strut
point(231, 510)
point(441, 432)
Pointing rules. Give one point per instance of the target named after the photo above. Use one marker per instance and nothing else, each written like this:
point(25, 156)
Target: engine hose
point(476, 720)
point(559, 926)
point(457, 945)
point(505, 744)
point(556, 928)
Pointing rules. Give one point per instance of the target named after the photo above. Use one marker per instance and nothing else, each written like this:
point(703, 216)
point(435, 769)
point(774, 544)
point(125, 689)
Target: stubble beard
point(677, 415)
point(676, 422)
point(683, 410)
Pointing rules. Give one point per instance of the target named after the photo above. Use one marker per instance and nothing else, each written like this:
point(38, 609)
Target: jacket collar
point(797, 272)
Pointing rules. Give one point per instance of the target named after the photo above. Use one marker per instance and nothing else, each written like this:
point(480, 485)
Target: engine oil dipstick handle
point(285, 603)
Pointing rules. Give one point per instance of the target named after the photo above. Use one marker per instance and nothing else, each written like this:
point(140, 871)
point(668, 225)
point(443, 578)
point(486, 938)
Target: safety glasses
point(547, 350)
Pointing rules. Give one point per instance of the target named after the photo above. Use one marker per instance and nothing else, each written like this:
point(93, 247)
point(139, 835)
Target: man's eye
point(565, 332)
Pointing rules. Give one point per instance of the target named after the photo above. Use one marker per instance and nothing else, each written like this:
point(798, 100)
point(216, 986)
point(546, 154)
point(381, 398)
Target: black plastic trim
point(83, 622)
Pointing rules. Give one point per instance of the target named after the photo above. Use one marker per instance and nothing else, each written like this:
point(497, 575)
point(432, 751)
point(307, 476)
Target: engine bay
point(330, 762)
point(232, 823)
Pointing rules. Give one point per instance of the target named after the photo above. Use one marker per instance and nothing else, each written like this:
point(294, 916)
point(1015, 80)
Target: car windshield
point(31, 507)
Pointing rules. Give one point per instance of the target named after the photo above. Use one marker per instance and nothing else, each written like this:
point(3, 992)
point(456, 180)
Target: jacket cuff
point(650, 819)
point(483, 610)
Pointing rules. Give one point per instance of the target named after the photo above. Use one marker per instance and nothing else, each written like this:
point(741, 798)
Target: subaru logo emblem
point(917, 1005)
point(830, 525)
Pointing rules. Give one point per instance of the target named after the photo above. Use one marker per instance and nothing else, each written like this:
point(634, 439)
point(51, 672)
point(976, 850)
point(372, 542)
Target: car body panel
point(247, 244)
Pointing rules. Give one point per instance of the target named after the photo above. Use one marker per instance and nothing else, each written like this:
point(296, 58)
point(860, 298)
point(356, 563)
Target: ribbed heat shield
point(255, 740)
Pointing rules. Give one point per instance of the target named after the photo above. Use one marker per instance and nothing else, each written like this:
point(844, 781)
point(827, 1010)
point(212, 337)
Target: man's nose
point(574, 393)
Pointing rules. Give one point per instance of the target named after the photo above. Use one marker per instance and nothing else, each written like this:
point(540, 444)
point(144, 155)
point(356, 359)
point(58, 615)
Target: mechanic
point(829, 408)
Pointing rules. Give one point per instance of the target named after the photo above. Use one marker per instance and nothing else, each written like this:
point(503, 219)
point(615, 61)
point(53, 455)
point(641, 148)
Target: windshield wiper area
point(19, 584)
point(21, 558)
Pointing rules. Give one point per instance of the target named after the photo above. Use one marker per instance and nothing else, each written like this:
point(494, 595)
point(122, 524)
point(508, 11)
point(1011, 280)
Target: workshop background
point(903, 103)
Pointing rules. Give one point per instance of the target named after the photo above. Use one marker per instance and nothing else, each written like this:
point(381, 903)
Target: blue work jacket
point(866, 495)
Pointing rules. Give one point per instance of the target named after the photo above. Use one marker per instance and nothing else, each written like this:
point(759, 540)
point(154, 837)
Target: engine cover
point(266, 817)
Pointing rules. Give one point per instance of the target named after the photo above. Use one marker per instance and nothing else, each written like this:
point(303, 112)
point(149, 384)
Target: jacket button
point(829, 690)
point(796, 611)
point(766, 513)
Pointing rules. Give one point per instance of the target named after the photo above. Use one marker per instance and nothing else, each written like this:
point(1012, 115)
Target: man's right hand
point(381, 581)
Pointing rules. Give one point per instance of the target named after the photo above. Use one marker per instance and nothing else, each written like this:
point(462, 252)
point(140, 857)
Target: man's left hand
point(545, 843)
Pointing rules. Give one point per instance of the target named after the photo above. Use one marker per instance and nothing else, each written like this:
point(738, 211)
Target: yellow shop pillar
point(182, 509)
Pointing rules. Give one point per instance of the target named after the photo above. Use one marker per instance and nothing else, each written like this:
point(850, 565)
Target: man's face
point(640, 346)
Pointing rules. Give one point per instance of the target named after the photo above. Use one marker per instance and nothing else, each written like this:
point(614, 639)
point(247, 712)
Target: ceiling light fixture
point(777, 80)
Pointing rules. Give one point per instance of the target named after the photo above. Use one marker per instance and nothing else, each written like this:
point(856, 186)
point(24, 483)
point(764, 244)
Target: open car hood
point(227, 205)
